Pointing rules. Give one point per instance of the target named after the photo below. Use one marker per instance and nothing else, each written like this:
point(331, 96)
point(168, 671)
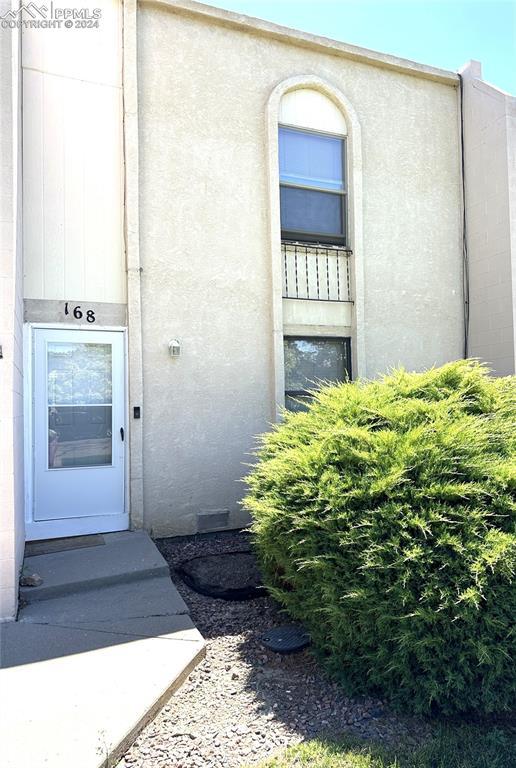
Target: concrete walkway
point(96, 651)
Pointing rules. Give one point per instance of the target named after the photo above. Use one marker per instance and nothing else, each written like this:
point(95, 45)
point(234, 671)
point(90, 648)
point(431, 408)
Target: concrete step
point(145, 598)
point(124, 557)
point(31, 643)
point(94, 656)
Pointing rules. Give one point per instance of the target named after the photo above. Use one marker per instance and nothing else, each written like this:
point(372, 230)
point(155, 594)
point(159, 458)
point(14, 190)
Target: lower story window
point(310, 362)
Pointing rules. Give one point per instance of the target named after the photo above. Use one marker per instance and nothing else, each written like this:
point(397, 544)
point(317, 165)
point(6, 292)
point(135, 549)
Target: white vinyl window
point(310, 362)
point(312, 186)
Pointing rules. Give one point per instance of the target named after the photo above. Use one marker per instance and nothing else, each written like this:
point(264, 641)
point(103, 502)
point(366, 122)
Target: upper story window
point(312, 186)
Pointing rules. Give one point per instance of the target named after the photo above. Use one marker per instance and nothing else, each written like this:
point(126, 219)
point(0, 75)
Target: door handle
point(122, 433)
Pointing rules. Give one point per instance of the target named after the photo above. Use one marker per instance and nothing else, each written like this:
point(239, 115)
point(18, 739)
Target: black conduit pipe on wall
point(465, 257)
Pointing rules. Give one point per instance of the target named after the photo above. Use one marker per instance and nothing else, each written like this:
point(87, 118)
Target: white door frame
point(49, 529)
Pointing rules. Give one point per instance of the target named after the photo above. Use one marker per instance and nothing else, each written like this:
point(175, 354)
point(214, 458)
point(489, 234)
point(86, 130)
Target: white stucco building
point(201, 214)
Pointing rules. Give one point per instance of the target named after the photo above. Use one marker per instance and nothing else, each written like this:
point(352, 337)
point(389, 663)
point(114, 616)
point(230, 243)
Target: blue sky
point(442, 33)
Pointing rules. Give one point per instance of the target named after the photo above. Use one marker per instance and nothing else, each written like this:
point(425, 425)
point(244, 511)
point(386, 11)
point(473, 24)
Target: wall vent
point(212, 520)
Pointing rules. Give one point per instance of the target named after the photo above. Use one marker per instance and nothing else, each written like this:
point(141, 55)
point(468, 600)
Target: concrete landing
point(123, 557)
point(83, 672)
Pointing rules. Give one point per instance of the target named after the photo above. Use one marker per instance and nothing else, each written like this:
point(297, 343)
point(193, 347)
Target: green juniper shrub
point(384, 519)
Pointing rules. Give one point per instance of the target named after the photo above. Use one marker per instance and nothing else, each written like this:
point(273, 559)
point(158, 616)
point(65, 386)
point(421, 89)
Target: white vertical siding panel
point(92, 54)
point(94, 193)
point(33, 235)
point(103, 193)
point(75, 143)
point(73, 217)
point(114, 263)
point(53, 187)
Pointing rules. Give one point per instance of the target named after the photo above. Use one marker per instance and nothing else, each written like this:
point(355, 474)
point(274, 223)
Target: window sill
point(306, 243)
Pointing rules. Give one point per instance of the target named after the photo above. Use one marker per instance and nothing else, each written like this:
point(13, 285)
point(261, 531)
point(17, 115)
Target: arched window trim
point(318, 118)
point(355, 220)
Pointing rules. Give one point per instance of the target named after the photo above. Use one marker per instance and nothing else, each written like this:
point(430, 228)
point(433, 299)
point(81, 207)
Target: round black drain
point(227, 576)
point(289, 638)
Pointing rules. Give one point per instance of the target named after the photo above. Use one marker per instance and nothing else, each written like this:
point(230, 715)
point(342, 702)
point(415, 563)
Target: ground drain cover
point(289, 638)
point(228, 576)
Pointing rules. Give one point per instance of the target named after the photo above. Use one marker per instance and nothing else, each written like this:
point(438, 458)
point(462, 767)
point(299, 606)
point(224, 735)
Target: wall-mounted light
point(174, 348)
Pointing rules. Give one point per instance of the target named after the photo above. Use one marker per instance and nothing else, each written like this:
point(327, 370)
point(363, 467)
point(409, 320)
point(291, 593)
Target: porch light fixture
point(174, 348)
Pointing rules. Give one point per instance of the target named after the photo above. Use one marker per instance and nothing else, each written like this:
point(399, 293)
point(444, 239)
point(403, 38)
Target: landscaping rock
point(244, 703)
point(30, 579)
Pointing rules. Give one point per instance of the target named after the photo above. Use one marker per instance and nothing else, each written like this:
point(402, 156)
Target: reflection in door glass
point(79, 405)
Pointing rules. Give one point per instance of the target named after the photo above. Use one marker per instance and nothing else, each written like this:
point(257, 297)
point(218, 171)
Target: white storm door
point(79, 428)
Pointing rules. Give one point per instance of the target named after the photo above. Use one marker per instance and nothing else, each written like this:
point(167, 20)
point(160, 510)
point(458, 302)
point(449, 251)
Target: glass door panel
point(79, 389)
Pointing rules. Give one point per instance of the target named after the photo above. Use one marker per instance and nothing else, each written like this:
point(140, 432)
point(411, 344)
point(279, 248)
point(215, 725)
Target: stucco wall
point(490, 173)
point(205, 242)
point(11, 319)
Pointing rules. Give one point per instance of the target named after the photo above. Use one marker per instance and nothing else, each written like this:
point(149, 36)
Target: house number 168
point(79, 314)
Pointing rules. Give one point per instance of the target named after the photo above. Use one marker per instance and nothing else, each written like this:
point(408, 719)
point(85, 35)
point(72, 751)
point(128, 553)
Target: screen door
point(79, 425)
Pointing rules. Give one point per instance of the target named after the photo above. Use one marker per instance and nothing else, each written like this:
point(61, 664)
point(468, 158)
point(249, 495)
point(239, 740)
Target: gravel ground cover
point(244, 703)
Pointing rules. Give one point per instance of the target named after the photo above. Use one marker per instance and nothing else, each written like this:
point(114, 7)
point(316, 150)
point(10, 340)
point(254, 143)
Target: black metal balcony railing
point(316, 272)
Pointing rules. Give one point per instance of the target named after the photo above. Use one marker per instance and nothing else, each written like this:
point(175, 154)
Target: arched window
point(315, 191)
point(312, 168)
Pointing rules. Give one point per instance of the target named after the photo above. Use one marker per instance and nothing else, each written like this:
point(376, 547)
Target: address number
point(79, 313)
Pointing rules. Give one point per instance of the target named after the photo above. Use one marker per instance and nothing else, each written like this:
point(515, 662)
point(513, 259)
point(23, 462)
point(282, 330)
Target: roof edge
point(257, 26)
